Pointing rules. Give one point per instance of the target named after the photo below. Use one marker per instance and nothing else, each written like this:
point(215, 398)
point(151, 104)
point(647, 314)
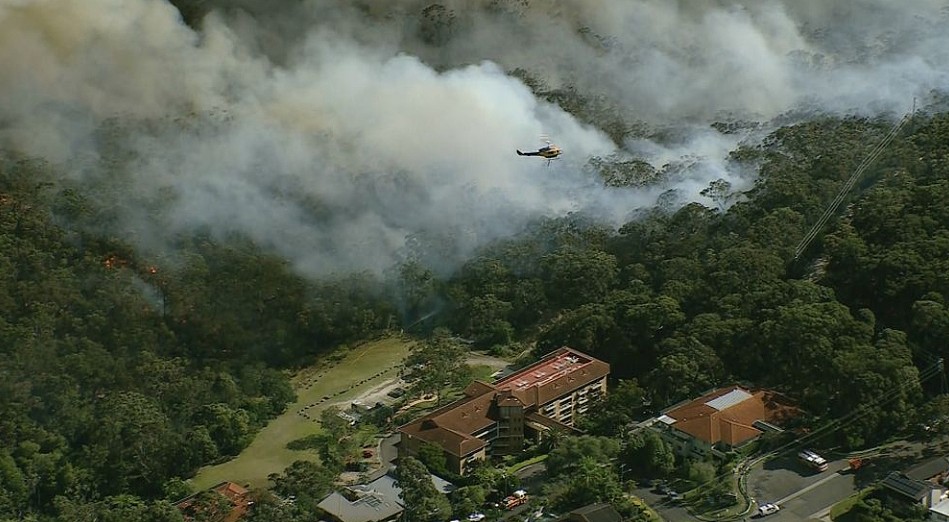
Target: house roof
point(907, 487)
point(728, 415)
point(371, 507)
point(594, 513)
point(235, 493)
point(560, 372)
point(941, 508)
point(375, 501)
point(453, 426)
point(930, 469)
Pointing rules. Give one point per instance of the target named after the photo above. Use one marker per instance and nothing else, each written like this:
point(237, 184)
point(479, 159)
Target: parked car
point(476, 517)
point(768, 509)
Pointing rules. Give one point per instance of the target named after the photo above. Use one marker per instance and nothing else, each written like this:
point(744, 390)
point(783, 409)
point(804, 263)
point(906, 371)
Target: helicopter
point(550, 151)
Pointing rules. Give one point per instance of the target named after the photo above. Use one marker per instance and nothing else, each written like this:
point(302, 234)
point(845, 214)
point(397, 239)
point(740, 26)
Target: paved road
point(806, 496)
point(388, 449)
point(802, 494)
point(815, 501)
point(667, 512)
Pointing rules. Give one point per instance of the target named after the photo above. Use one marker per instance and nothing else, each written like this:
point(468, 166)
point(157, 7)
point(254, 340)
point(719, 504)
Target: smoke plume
point(349, 135)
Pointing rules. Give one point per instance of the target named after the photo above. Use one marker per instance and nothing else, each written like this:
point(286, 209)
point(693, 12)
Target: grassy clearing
point(268, 452)
point(482, 372)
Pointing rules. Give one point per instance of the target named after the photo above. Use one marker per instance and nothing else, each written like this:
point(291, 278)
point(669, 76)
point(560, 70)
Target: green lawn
point(524, 463)
point(482, 372)
point(268, 452)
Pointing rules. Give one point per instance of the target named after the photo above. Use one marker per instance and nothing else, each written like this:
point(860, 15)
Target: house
point(940, 511)
point(722, 419)
point(496, 418)
point(237, 498)
point(921, 492)
point(376, 501)
point(592, 513)
point(934, 470)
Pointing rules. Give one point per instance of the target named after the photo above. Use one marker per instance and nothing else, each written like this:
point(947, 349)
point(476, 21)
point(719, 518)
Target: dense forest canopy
point(170, 250)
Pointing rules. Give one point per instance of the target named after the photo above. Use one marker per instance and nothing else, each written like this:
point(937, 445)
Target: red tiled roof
point(733, 424)
point(559, 373)
point(236, 494)
point(453, 426)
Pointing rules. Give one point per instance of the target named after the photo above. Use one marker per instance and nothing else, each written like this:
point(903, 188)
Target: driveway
point(389, 450)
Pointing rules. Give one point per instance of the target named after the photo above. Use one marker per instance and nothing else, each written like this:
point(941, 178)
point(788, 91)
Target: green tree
point(590, 482)
point(308, 481)
point(578, 277)
point(701, 472)
point(229, 428)
point(467, 500)
point(433, 457)
point(647, 455)
point(437, 363)
point(120, 509)
point(422, 501)
point(617, 411)
point(176, 489)
point(563, 459)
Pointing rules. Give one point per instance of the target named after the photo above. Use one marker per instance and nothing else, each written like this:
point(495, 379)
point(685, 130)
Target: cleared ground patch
point(363, 368)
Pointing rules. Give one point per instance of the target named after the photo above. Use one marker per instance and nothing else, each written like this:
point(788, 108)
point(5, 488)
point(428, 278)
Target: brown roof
point(732, 421)
point(453, 426)
point(236, 494)
point(509, 400)
point(558, 373)
point(477, 388)
point(452, 441)
point(594, 513)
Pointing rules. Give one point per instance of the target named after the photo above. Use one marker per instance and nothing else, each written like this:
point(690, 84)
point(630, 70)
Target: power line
point(848, 186)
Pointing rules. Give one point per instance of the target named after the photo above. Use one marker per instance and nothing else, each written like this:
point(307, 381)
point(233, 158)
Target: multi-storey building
point(495, 419)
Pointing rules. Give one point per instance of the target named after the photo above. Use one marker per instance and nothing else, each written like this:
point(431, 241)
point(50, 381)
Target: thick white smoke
point(335, 136)
point(670, 61)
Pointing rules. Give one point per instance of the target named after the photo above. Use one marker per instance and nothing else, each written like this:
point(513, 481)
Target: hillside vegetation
point(121, 373)
point(124, 371)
